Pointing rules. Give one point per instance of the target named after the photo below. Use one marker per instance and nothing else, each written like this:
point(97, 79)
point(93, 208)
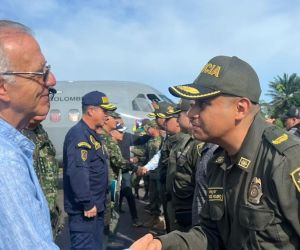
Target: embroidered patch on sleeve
point(296, 178)
point(84, 154)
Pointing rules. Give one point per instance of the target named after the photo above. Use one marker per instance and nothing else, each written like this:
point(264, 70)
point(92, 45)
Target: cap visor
point(193, 91)
point(151, 115)
point(109, 106)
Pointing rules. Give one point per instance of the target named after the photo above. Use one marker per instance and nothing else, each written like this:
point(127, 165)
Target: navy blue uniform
point(85, 185)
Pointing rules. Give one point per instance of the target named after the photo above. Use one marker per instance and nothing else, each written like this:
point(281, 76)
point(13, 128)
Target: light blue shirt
point(24, 214)
point(153, 163)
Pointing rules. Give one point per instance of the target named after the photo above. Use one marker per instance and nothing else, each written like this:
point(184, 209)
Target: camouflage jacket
point(46, 168)
point(44, 162)
point(116, 160)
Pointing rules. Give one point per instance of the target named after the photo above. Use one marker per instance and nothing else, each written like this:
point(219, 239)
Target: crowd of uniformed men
point(216, 174)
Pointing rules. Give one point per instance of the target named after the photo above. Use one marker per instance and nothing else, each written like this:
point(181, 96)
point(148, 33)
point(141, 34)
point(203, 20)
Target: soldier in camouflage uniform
point(46, 168)
point(117, 164)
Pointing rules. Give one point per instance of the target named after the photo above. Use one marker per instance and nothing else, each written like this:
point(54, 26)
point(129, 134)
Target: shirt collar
point(246, 156)
point(15, 137)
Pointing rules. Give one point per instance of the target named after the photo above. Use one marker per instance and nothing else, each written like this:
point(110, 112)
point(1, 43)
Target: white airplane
point(132, 99)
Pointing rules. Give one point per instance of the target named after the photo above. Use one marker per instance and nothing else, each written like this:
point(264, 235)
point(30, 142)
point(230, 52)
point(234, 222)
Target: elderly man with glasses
point(24, 94)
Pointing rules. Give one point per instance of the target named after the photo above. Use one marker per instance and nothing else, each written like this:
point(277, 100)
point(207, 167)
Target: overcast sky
point(160, 42)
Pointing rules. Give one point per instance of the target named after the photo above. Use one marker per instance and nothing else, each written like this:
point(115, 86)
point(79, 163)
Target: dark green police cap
point(222, 75)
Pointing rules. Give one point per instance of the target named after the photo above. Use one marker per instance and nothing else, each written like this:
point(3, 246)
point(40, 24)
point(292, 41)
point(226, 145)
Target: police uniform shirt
point(253, 199)
point(85, 170)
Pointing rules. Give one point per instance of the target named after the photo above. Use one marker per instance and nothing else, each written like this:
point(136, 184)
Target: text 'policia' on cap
point(222, 75)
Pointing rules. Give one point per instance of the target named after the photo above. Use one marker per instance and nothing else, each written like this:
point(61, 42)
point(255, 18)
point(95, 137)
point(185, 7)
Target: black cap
point(222, 75)
point(294, 112)
point(99, 99)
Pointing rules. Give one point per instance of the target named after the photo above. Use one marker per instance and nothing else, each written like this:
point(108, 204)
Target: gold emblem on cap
point(244, 163)
point(105, 99)
point(95, 142)
point(255, 191)
point(211, 69)
point(280, 139)
point(189, 89)
point(84, 154)
point(296, 178)
point(170, 109)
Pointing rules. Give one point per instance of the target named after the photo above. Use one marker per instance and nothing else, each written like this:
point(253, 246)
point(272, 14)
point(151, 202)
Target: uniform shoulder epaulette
point(280, 139)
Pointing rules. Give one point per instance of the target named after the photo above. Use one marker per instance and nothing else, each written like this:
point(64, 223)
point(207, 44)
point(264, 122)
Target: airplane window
point(74, 115)
point(55, 115)
point(141, 103)
point(166, 99)
point(153, 97)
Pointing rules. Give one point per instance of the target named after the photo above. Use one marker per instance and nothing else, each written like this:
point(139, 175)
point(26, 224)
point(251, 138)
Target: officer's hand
point(91, 213)
point(134, 160)
point(142, 171)
point(146, 243)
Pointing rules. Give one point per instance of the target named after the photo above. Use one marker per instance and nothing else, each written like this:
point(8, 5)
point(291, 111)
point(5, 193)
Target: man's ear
point(4, 97)
point(243, 107)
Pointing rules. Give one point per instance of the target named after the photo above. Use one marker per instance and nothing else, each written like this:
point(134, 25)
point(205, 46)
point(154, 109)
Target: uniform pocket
point(255, 219)
point(216, 210)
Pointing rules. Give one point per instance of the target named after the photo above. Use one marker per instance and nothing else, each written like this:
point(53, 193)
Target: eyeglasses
point(45, 74)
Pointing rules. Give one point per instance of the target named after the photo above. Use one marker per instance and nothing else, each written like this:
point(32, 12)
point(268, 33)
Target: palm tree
point(285, 92)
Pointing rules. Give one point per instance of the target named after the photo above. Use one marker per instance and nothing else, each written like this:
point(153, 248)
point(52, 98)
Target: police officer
point(86, 174)
point(253, 178)
point(292, 121)
point(183, 159)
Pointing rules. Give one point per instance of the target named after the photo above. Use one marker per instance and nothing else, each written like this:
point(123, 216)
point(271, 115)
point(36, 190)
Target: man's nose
point(51, 81)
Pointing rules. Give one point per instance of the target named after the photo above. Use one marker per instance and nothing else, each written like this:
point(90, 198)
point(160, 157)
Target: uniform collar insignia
point(244, 163)
point(220, 160)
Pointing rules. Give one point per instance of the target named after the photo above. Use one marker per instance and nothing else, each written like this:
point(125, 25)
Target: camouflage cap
point(150, 124)
point(99, 99)
point(164, 110)
point(222, 75)
point(113, 114)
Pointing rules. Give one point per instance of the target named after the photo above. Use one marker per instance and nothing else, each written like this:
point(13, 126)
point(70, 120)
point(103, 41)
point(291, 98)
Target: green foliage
point(285, 93)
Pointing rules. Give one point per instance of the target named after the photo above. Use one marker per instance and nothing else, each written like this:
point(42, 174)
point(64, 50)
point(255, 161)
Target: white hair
point(7, 28)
